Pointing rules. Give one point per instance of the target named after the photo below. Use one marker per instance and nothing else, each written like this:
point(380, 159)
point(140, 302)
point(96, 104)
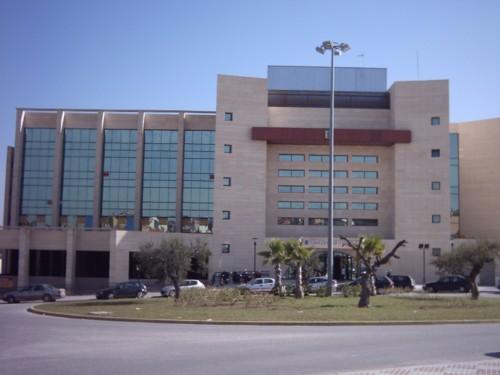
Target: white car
point(260, 284)
point(317, 282)
point(169, 290)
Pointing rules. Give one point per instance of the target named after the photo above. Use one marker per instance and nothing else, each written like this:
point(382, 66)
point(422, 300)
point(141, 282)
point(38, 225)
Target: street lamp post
point(336, 49)
point(423, 247)
point(254, 255)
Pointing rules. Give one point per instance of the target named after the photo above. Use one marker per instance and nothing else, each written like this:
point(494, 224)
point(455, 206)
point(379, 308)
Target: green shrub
point(212, 297)
point(351, 290)
point(322, 292)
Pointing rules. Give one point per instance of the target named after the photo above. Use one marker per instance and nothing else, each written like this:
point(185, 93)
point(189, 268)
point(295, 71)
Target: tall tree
point(370, 252)
point(468, 260)
point(297, 255)
point(171, 259)
point(275, 255)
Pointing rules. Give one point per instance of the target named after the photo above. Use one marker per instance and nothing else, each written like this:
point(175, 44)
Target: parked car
point(127, 289)
point(260, 284)
point(44, 292)
point(382, 283)
point(317, 282)
point(402, 281)
point(453, 283)
point(169, 290)
point(220, 278)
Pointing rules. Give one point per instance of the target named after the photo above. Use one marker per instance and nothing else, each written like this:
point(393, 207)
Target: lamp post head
point(337, 48)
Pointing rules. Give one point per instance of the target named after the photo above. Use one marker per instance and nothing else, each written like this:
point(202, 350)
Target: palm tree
point(277, 256)
point(297, 255)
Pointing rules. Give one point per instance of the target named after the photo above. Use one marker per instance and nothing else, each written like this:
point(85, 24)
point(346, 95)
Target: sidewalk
point(488, 367)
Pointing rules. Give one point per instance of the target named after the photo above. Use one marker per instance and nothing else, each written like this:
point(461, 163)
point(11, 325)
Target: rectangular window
point(225, 248)
point(227, 181)
point(228, 149)
point(228, 116)
point(436, 251)
point(371, 175)
point(290, 188)
point(47, 263)
point(291, 173)
point(291, 204)
point(316, 158)
point(338, 222)
point(436, 219)
point(436, 185)
point(435, 120)
point(364, 190)
point(364, 159)
point(290, 221)
point(291, 157)
point(364, 222)
point(364, 206)
point(226, 215)
point(92, 264)
point(435, 153)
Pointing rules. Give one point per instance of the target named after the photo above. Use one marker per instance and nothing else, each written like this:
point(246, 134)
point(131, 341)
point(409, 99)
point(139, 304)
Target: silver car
point(318, 282)
point(260, 284)
point(44, 292)
point(169, 290)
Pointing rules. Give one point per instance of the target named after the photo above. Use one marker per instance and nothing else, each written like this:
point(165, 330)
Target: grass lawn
point(315, 309)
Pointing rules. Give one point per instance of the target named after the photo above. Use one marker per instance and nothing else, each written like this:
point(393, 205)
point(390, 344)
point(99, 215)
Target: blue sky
point(165, 54)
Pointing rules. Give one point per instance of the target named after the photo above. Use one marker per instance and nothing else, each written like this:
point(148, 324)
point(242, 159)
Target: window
point(315, 158)
point(228, 116)
point(365, 190)
point(436, 185)
point(436, 219)
point(291, 204)
point(364, 159)
point(47, 263)
point(371, 175)
point(435, 153)
point(364, 222)
point(92, 264)
point(338, 222)
point(227, 181)
point(291, 157)
point(290, 188)
point(226, 215)
point(291, 173)
point(226, 248)
point(436, 120)
point(436, 251)
point(318, 173)
point(228, 149)
point(290, 221)
point(364, 206)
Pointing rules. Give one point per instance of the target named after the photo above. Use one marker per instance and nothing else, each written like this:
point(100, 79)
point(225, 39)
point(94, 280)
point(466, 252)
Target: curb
point(34, 310)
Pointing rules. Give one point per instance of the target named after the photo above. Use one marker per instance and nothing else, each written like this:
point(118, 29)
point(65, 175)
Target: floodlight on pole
point(336, 49)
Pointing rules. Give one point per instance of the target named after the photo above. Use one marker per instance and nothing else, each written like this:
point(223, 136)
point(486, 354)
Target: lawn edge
point(35, 310)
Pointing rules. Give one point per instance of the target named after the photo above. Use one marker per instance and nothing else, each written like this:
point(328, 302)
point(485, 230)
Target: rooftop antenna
point(418, 68)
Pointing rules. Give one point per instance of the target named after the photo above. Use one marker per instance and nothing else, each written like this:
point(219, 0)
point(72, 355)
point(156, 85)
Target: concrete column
point(58, 169)
point(9, 166)
point(99, 158)
point(23, 271)
point(180, 171)
point(69, 281)
point(17, 172)
point(118, 258)
point(139, 171)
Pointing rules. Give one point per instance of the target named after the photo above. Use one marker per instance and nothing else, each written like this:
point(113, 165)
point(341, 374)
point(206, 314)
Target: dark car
point(403, 281)
point(45, 292)
point(128, 289)
point(449, 284)
point(382, 283)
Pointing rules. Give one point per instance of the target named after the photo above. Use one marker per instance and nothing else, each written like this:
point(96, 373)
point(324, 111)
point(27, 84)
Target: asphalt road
point(34, 344)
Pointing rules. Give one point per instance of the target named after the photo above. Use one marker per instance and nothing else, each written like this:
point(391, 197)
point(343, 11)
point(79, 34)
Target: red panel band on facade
point(343, 137)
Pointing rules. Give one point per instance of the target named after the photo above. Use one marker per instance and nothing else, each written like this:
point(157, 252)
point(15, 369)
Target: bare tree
point(370, 252)
point(172, 259)
point(468, 260)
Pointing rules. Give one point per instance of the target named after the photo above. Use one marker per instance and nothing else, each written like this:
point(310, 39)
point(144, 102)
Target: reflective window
point(226, 215)
point(325, 205)
point(364, 174)
point(37, 177)
point(197, 200)
point(291, 173)
point(435, 153)
point(226, 181)
point(290, 188)
point(118, 181)
point(316, 158)
point(228, 116)
point(367, 206)
point(291, 204)
point(291, 157)
point(326, 189)
point(228, 149)
point(364, 190)
point(290, 221)
point(436, 185)
point(364, 222)
point(435, 120)
point(78, 177)
point(436, 219)
point(338, 222)
point(364, 159)
point(159, 181)
point(315, 173)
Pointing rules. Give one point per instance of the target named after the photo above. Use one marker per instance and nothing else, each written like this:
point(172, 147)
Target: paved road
point(33, 344)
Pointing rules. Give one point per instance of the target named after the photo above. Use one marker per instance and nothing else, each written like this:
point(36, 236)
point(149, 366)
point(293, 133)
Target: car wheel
point(47, 298)
point(11, 299)
point(171, 293)
point(111, 296)
point(461, 289)
point(139, 295)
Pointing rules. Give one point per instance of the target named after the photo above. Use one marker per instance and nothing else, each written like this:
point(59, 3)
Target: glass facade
point(198, 180)
point(78, 177)
point(37, 177)
point(118, 181)
point(159, 181)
